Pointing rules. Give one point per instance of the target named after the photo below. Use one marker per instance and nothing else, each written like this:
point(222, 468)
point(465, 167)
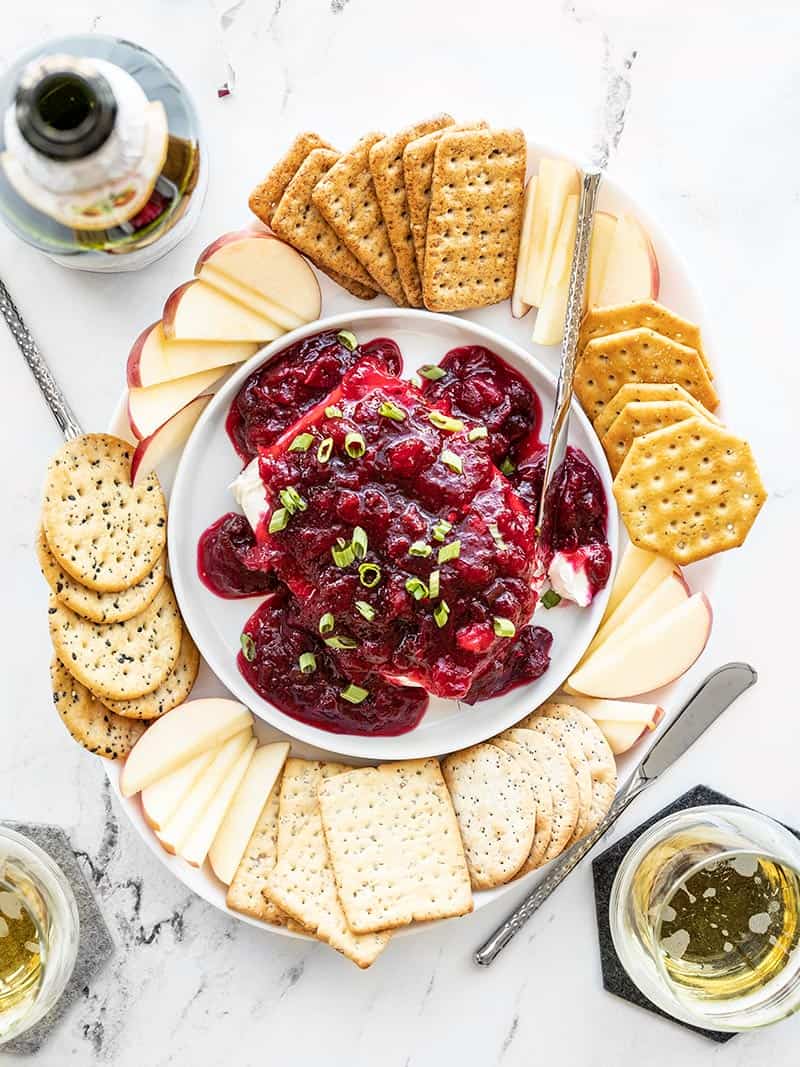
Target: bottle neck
point(65, 114)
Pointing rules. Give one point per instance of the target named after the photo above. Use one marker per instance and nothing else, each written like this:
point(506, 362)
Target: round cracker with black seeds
point(119, 660)
point(570, 748)
point(563, 789)
point(175, 688)
point(104, 531)
point(99, 607)
point(540, 785)
point(99, 730)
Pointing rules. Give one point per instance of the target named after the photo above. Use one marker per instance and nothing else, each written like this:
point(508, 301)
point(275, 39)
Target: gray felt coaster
point(96, 945)
point(604, 869)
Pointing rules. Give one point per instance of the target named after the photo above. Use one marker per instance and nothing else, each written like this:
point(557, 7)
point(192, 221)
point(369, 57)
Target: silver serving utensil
point(50, 389)
point(610, 126)
point(716, 693)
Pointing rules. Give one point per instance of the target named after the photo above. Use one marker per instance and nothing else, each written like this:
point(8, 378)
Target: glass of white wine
point(705, 917)
point(39, 933)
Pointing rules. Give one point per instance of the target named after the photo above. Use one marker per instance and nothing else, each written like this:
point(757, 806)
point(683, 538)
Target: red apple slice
point(518, 306)
point(631, 268)
point(557, 180)
point(653, 576)
point(264, 274)
point(624, 722)
point(666, 596)
point(602, 238)
point(153, 359)
point(549, 326)
point(632, 566)
point(197, 312)
point(652, 657)
point(151, 407)
point(169, 437)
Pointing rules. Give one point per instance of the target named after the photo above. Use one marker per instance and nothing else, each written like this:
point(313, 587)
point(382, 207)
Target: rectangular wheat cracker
point(386, 166)
point(475, 219)
point(297, 220)
point(245, 893)
point(641, 355)
point(418, 158)
point(347, 200)
point(266, 195)
point(394, 845)
point(615, 318)
point(302, 882)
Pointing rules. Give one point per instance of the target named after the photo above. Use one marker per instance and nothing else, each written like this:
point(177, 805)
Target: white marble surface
point(711, 149)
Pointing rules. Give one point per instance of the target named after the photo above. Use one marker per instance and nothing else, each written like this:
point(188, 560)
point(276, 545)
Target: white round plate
point(200, 495)
point(676, 291)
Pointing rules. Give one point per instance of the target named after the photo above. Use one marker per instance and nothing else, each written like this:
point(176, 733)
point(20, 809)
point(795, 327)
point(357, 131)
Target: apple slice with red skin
point(154, 359)
point(151, 407)
point(632, 271)
point(668, 594)
point(198, 312)
point(623, 722)
point(632, 565)
point(652, 657)
point(169, 437)
point(602, 237)
point(653, 575)
point(262, 273)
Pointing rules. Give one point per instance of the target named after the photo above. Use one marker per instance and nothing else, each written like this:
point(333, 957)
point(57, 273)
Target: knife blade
point(714, 695)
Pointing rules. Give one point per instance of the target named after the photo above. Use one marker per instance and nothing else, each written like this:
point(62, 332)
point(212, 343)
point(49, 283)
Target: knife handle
point(487, 953)
point(49, 387)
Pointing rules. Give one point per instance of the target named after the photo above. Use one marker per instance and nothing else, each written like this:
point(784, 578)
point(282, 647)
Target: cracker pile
point(686, 487)
point(430, 216)
point(122, 654)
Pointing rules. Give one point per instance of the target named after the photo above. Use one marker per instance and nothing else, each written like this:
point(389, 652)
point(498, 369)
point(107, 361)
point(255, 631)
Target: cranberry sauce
point(271, 665)
point(275, 395)
point(526, 659)
point(403, 531)
point(479, 385)
point(227, 560)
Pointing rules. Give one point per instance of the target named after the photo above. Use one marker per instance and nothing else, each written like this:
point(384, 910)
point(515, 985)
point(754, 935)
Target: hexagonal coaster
point(96, 944)
point(604, 869)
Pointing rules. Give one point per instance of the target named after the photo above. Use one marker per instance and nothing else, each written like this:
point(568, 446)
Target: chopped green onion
point(333, 412)
point(325, 449)
point(441, 529)
point(359, 542)
point(327, 623)
point(417, 588)
point(292, 500)
point(478, 433)
point(433, 374)
point(433, 584)
point(441, 613)
point(504, 627)
point(448, 552)
point(341, 641)
point(301, 443)
point(348, 339)
point(308, 662)
point(343, 554)
point(248, 647)
point(354, 694)
point(451, 460)
point(369, 574)
point(444, 422)
point(355, 445)
point(278, 520)
point(365, 609)
point(550, 599)
point(507, 467)
point(494, 530)
point(419, 548)
point(390, 410)
point(416, 381)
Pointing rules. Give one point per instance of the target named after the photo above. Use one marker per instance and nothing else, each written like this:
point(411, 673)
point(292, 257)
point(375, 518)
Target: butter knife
point(716, 693)
point(50, 389)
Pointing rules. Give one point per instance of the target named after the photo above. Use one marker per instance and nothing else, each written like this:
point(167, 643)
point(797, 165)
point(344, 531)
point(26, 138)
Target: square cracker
point(266, 196)
point(302, 882)
point(615, 318)
point(689, 490)
point(418, 158)
point(646, 391)
point(347, 200)
point(297, 220)
point(475, 219)
point(246, 891)
point(639, 355)
point(386, 166)
point(638, 418)
point(395, 846)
